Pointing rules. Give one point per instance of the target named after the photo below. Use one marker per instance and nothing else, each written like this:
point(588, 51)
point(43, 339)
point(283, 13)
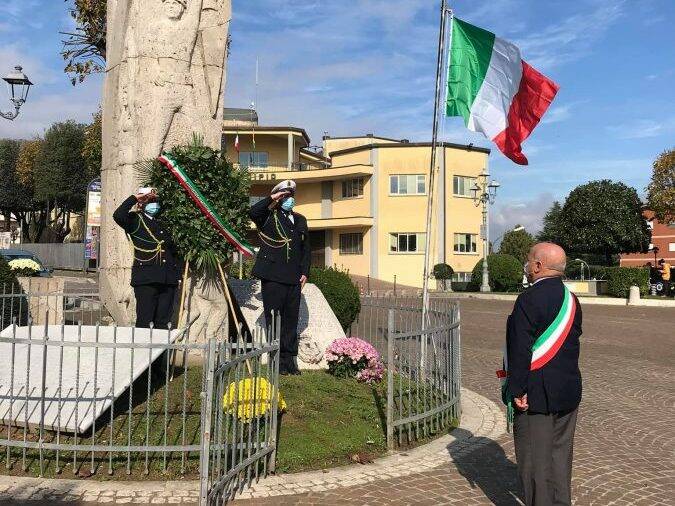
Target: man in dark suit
point(543, 378)
point(156, 268)
point(282, 265)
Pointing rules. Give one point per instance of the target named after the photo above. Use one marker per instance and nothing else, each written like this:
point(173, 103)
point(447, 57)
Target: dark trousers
point(154, 303)
point(544, 454)
point(284, 300)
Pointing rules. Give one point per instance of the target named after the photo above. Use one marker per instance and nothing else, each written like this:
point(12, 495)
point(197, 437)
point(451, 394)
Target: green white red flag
point(494, 89)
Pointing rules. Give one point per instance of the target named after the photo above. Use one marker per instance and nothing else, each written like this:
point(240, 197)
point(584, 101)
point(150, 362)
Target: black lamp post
point(18, 85)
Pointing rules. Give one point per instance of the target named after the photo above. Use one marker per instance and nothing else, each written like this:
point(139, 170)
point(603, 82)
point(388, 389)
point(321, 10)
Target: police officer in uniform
point(282, 265)
point(156, 267)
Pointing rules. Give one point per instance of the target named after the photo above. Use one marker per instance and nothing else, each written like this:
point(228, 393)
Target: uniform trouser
point(154, 303)
point(544, 454)
point(284, 300)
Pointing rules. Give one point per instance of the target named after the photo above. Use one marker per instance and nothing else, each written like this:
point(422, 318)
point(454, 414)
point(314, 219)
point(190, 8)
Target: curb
point(584, 299)
point(481, 418)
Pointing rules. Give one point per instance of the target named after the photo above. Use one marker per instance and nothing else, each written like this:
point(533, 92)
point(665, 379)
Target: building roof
point(466, 147)
point(263, 129)
point(312, 154)
point(240, 114)
point(367, 136)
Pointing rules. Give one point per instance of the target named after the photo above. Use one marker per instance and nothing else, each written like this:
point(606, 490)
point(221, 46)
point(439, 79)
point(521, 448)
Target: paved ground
point(625, 444)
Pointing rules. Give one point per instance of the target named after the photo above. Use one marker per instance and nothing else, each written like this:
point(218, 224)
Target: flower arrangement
point(351, 357)
point(24, 266)
point(251, 398)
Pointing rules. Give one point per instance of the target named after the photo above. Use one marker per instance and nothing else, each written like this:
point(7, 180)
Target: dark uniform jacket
point(555, 387)
point(148, 268)
point(280, 264)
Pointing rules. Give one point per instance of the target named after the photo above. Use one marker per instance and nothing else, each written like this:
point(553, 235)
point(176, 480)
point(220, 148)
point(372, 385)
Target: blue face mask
point(288, 204)
point(151, 209)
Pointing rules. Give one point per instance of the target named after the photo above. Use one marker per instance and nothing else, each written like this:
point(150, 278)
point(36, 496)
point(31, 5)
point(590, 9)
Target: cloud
point(528, 213)
point(556, 114)
point(643, 128)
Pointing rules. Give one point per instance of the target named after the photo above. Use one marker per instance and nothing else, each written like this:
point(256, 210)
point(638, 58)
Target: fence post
point(390, 380)
point(207, 406)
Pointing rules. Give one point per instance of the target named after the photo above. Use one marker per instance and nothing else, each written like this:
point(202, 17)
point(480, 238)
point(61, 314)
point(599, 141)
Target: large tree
point(12, 196)
point(604, 218)
point(661, 189)
point(84, 49)
point(92, 148)
point(550, 231)
point(34, 216)
point(517, 243)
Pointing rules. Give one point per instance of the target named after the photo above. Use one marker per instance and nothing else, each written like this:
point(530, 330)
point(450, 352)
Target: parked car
point(14, 254)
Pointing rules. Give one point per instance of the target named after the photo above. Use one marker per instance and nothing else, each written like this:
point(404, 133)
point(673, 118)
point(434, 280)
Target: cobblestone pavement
point(625, 442)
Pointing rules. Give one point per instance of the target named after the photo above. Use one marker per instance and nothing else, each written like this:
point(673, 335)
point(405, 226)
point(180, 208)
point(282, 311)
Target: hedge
point(14, 307)
point(340, 292)
point(620, 279)
point(505, 272)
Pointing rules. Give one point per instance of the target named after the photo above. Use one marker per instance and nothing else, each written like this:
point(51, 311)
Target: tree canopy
point(661, 189)
point(84, 50)
point(601, 217)
point(517, 243)
point(11, 190)
point(550, 231)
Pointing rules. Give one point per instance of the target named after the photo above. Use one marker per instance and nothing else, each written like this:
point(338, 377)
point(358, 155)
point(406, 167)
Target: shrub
point(505, 271)
point(620, 279)
point(340, 292)
point(24, 267)
point(443, 271)
point(351, 357)
point(16, 308)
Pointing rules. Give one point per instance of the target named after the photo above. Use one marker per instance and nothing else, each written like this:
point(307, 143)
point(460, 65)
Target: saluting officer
point(156, 267)
point(282, 265)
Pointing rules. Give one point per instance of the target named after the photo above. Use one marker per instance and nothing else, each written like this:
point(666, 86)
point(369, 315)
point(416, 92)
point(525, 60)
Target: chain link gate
point(239, 413)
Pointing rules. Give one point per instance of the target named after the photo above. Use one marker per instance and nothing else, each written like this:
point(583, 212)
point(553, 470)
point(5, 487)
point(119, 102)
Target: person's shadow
point(484, 464)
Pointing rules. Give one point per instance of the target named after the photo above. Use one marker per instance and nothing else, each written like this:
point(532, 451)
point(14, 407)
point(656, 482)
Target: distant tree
point(517, 244)
point(92, 146)
point(11, 190)
point(84, 50)
point(550, 231)
point(661, 189)
point(602, 217)
point(61, 176)
point(34, 216)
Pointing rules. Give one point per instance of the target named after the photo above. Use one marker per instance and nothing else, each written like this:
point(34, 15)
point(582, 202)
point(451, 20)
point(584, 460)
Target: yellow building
point(365, 200)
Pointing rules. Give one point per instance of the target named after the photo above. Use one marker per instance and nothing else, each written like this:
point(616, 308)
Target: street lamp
point(18, 85)
point(484, 192)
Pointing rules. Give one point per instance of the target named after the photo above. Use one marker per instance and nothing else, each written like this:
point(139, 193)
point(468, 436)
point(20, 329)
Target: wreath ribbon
point(221, 226)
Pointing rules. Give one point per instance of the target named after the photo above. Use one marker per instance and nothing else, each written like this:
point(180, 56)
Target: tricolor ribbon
point(205, 206)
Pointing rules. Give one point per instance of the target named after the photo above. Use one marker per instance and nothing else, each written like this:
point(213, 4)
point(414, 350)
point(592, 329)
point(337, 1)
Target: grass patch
point(328, 421)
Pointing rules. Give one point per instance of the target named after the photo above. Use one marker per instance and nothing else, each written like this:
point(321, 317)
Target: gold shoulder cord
point(157, 250)
point(284, 240)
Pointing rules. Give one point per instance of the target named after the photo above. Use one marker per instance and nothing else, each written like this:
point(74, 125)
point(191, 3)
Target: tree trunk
point(7, 225)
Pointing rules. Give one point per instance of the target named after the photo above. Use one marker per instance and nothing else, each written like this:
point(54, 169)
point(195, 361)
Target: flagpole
point(432, 167)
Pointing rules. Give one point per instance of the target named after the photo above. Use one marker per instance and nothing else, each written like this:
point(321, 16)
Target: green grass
point(327, 421)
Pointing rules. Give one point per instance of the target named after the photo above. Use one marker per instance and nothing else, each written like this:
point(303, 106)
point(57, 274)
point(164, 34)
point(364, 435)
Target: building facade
point(662, 244)
point(365, 198)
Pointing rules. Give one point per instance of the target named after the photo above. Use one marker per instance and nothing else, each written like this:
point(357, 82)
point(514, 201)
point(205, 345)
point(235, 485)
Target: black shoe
point(284, 370)
point(295, 372)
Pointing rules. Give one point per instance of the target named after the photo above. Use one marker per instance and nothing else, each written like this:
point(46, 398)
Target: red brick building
point(663, 238)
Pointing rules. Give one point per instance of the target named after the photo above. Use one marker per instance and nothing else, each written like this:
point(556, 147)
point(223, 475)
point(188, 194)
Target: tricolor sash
point(544, 348)
point(205, 206)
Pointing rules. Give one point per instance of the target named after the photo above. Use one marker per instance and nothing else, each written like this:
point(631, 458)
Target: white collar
point(542, 279)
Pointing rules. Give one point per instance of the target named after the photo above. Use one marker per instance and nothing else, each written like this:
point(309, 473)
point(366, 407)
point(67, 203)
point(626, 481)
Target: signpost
point(92, 225)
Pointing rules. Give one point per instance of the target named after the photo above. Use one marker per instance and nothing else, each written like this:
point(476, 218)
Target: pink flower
point(356, 350)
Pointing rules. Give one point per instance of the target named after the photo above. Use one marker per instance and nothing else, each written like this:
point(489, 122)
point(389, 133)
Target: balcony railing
point(295, 166)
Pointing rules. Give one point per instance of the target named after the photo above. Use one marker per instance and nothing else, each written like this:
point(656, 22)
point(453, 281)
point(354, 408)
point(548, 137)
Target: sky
point(350, 67)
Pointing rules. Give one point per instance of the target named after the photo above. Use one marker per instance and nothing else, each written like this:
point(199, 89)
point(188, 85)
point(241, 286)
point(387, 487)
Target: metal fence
point(58, 255)
point(83, 397)
point(423, 365)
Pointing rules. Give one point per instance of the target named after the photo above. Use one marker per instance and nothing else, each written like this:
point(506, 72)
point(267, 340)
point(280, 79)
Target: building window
point(352, 188)
point(462, 277)
point(351, 244)
point(407, 184)
point(257, 159)
point(465, 243)
point(671, 246)
point(407, 243)
point(461, 186)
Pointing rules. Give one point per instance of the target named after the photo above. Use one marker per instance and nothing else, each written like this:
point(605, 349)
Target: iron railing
point(77, 393)
point(423, 364)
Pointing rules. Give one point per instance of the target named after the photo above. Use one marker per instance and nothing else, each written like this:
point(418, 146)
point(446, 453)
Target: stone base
point(317, 324)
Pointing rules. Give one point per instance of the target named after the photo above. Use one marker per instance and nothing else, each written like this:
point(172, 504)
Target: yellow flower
point(248, 403)
point(24, 263)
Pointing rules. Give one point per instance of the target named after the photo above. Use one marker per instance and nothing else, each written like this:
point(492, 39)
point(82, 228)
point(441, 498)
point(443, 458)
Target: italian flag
point(494, 90)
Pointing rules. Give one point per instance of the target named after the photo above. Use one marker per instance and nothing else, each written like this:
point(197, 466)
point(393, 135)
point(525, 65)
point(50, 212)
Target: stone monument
point(165, 76)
